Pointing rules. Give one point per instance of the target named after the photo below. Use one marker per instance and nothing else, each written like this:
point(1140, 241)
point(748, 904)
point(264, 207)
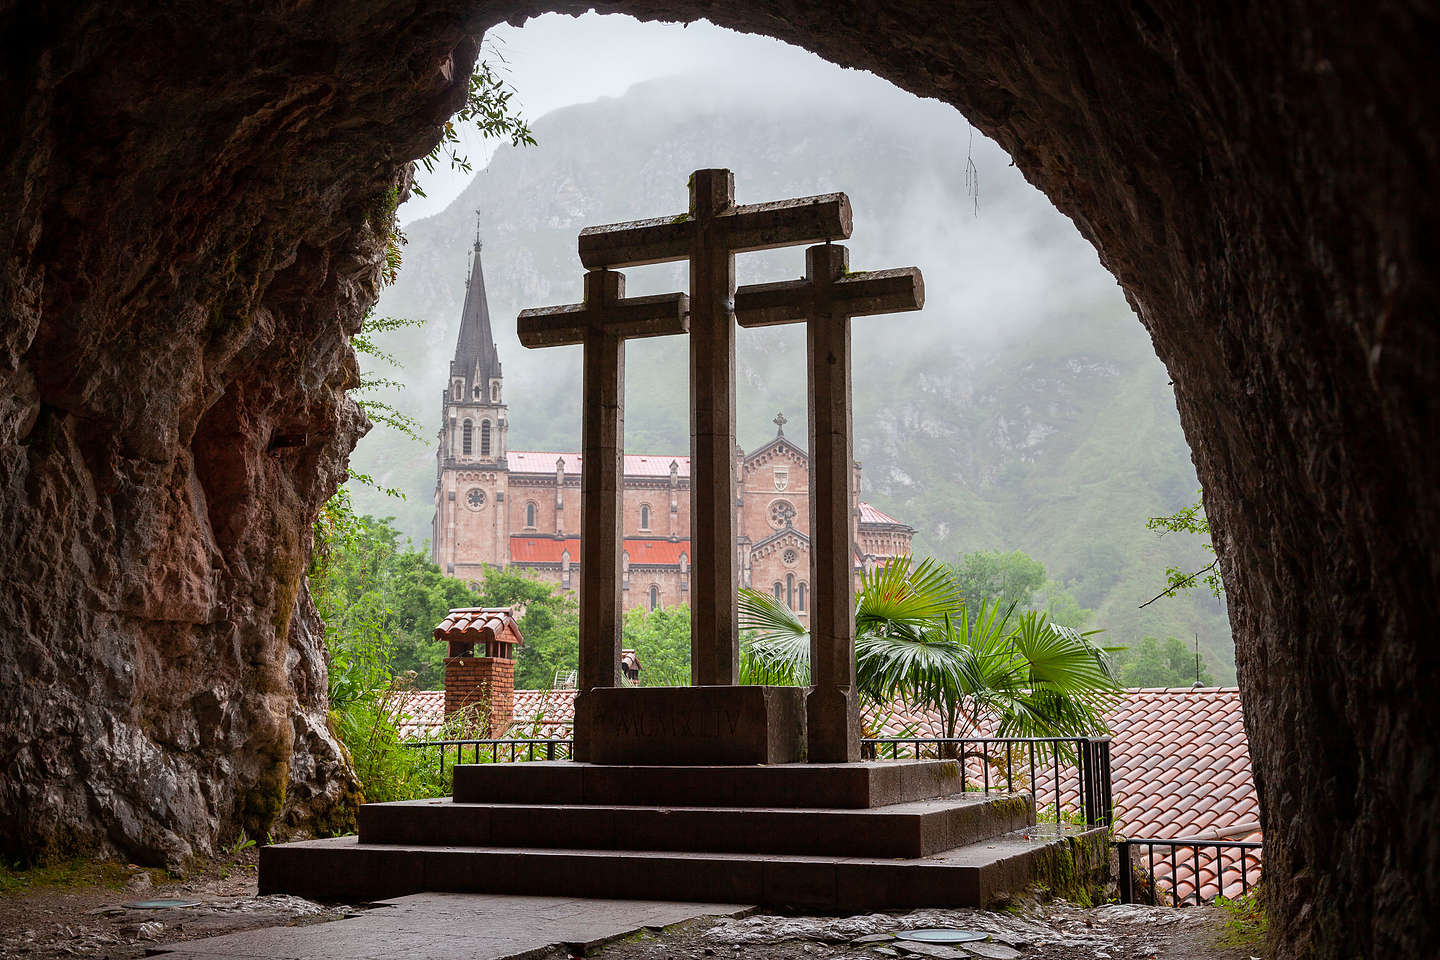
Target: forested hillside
point(1023, 409)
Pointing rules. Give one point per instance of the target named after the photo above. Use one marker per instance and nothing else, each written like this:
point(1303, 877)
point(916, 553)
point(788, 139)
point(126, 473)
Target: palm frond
point(902, 592)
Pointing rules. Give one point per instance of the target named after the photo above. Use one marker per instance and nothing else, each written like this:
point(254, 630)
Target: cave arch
point(1256, 179)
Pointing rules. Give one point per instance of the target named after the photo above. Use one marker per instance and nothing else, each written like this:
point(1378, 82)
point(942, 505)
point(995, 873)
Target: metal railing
point(1244, 864)
point(495, 750)
point(1067, 777)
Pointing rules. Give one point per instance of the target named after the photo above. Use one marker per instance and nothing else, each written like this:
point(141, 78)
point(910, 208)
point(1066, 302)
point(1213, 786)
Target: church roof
point(475, 353)
point(869, 514)
point(636, 465)
point(543, 549)
point(644, 551)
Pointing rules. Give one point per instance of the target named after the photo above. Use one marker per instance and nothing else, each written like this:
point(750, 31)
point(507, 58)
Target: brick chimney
point(480, 665)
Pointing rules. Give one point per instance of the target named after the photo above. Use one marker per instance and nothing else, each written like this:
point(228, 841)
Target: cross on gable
point(709, 235)
point(825, 300)
point(602, 323)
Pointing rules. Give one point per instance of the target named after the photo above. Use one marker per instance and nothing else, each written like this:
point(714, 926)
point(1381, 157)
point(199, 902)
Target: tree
point(917, 639)
point(380, 602)
point(1019, 579)
point(1009, 578)
point(1157, 663)
point(661, 639)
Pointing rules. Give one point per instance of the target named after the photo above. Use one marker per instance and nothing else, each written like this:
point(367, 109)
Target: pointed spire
point(476, 359)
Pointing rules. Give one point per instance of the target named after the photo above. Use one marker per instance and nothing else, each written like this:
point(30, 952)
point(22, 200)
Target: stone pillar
point(833, 725)
point(601, 498)
point(715, 645)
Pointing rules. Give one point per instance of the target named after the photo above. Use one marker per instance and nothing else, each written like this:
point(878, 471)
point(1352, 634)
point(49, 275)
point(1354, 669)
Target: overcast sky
point(555, 60)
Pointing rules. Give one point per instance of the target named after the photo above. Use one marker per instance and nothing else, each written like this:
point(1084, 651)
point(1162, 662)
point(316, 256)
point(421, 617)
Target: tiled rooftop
point(643, 551)
point(636, 465)
point(869, 514)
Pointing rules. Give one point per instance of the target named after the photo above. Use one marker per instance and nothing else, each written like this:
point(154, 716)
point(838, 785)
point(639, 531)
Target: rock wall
point(189, 209)
point(193, 215)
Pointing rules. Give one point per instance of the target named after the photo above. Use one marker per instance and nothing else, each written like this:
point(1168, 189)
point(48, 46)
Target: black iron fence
point(1189, 870)
point(1068, 778)
point(493, 751)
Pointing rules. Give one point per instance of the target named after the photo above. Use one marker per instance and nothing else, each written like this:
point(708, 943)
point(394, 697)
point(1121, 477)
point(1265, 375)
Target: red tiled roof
point(479, 623)
point(868, 514)
point(655, 552)
point(547, 714)
point(420, 713)
point(543, 549)
point(636, 465)
point(643, 552)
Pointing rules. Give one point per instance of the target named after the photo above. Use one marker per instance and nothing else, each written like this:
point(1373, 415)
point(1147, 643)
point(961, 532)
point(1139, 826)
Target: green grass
point(1245, 920)
point(18, 879)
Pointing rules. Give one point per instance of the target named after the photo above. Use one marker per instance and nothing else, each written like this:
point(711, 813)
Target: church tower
point(471, 476)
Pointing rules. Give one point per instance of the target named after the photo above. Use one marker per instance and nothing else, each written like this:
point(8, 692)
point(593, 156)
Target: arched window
point(654, 598)
point(790, 590)
point(779, 591)
point(529, 514)
point(801, 608)
point(465, 438)
point(494, 393)
point(484, 438)
point(645, 516)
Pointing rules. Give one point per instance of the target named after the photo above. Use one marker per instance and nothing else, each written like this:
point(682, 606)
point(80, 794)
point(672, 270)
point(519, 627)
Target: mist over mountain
point(1024, 408)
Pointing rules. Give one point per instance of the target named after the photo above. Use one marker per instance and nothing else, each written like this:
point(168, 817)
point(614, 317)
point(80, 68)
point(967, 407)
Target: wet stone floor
point(91, 920)
point(1052, 931)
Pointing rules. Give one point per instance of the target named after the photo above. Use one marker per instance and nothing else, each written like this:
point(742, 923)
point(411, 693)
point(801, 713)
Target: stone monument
point(717, 721)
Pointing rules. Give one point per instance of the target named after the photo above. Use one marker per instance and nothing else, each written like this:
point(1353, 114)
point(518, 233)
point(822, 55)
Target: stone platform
point(828, 837)
point(690, 725)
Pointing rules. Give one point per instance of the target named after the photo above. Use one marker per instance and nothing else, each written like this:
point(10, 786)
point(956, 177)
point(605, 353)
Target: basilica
point(506, 508)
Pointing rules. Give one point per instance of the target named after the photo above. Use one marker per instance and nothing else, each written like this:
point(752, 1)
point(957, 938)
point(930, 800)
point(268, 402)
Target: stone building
point(521, 508)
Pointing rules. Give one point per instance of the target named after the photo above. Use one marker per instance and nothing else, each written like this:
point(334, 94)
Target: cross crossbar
point(632, 318)
point(744, 228)
point(855, 295)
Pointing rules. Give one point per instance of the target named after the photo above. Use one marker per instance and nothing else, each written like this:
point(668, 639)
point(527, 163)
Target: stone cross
point(709, 236)
point(826, 300)
point(602, 323)
point(780, 421)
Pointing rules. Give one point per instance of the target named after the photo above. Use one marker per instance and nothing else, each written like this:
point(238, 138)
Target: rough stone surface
point(187, 238)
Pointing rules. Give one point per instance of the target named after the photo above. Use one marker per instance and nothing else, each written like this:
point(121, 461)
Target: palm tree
point(915, 639)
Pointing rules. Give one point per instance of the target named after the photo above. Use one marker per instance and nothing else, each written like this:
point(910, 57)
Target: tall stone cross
point(709, 236)
point(826, 300)
point(602, 323)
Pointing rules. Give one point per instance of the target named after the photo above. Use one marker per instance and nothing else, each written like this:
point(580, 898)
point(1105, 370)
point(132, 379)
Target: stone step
point(875, 783)
point(914, 829)
point(1062, 858)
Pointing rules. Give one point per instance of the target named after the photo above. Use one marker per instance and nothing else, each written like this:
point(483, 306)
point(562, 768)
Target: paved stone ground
point(444, 925)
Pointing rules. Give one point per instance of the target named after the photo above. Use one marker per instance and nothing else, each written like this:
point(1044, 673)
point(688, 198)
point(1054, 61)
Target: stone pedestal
point(673, 726)
point(832, 718)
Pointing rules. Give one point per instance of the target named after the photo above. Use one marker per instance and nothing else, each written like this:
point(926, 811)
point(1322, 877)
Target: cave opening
point(193, 235)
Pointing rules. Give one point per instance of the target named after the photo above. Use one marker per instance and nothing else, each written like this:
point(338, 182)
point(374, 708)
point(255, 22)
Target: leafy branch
point(1191, 520)
point(488, 109)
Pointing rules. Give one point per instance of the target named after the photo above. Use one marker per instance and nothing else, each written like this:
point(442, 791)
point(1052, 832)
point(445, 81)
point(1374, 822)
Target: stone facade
point(521, 508)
